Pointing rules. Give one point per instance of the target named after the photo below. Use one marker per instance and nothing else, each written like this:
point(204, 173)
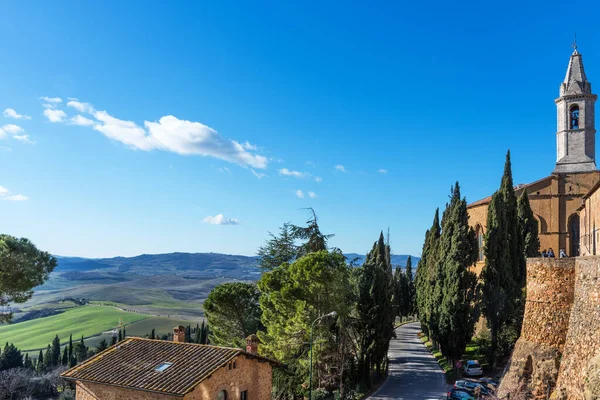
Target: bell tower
point(576, 133)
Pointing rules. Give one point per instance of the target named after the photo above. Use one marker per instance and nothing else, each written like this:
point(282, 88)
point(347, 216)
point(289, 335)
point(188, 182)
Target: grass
point(86, 320)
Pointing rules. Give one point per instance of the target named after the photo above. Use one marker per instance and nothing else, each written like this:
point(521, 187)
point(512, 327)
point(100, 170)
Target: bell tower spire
point(576, 131)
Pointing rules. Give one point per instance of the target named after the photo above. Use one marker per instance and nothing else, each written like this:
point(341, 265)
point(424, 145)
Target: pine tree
point(152, 334)
point(503, 272)
point(65, 356)
point(10, 358)
point(458, 249)
point(55, 361)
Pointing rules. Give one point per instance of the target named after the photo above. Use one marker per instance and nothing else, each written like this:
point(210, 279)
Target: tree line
point(450, 298)
point(303, 281)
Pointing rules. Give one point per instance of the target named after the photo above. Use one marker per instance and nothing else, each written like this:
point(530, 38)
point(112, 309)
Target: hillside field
point(86, 320)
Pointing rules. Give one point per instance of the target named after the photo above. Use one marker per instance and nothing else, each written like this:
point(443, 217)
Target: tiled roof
point(132, 364)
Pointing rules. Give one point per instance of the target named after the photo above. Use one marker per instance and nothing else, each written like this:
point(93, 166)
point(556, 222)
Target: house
point(139, 368)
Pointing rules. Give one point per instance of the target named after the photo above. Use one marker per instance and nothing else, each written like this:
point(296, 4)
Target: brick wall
point(250, 374)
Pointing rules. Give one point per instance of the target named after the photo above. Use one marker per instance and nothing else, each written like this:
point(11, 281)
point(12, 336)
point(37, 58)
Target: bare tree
point(15, 383)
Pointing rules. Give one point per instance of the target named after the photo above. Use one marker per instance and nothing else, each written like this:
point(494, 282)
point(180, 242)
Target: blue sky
point(176, 115)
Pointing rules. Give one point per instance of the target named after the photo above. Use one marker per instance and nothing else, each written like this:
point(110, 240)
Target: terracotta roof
point(518, 187)
point(133, 362)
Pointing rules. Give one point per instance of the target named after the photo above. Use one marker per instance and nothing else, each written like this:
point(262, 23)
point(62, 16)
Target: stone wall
point(94, 391)
point(558, 352)
point(536, 358)
point(579, 376)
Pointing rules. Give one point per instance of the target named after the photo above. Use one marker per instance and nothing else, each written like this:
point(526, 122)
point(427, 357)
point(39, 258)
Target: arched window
point(574, 235)
point(574, 117)
point(222, 395)
point(479, 236)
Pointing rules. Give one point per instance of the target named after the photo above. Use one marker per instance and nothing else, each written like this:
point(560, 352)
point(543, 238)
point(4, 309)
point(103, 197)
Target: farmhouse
point(139, 368)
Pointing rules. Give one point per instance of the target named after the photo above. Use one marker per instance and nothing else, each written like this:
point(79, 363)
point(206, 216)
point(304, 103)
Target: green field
point(86, 320)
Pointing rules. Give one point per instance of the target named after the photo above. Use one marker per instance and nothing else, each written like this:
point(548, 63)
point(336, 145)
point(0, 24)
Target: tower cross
point(574, 45)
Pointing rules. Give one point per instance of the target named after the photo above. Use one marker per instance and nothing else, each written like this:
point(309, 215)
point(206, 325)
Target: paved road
point(414, 373)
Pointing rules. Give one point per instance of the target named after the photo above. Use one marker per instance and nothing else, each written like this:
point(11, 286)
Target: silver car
point(472, 368)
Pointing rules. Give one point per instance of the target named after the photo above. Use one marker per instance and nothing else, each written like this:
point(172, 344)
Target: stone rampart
point(558, 352)
point(535, 361)
point(579, 376)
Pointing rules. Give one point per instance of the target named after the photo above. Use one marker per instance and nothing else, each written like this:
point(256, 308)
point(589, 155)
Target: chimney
point(252, 342)
point(179, 334)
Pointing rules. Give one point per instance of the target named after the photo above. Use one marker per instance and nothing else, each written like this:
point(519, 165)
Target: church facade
point(559, 200)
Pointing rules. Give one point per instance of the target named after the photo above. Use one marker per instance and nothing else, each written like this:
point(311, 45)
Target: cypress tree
point(198, 334)
point(27, 362)
point(55, 351)
point(203, 334)
point(188, 334)
point(40, 361)
point(425, 279)
point(120, 337)
point(398, 292)
point(113, 340)
point(410, 289)
point(458, 247)
point(70, 346)
point(528, 226)
point(503, 272)
point(124, 333)
point(152, 334)
point(102, 345)
point(48, 359)
point(65, 356)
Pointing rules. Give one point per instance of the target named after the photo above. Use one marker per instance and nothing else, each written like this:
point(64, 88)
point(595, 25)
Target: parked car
point(472, 368)
point(471, 386)
point(489, 381)
point(460, 394)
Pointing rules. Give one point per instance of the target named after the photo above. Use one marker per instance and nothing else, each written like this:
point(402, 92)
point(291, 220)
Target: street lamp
point(331, 314)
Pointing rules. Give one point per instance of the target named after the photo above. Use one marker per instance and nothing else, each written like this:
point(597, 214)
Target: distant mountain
point(397, 259)
point(193, 265)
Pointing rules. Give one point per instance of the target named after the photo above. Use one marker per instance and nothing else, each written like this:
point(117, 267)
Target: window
point(574, 120)
point(222, 395)
point(479, 235)
point(162, 367)
point(233, 364)
point(244, 395)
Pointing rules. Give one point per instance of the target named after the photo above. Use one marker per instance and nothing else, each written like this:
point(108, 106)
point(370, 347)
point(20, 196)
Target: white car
point(472, 368)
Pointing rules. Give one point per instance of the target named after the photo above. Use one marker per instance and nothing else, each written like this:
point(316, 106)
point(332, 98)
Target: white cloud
point(318, 179)
point(81, 121)
point(295, 174)
point(220, 219)
point(312, 195)
point(55, 115)
point(23, 138)
point(81, 107)
point(169, 133)
point(383, 171)
point(225, 169)
point(16, 197)
point(299, 193)
point(340, 168)
point(51, 100)
point(259, 175)
point(11, 113)
point(12, 129)
point(249, 146)
point(5, 195)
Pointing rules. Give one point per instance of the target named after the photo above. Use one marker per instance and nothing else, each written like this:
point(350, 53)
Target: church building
point(559, 200)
